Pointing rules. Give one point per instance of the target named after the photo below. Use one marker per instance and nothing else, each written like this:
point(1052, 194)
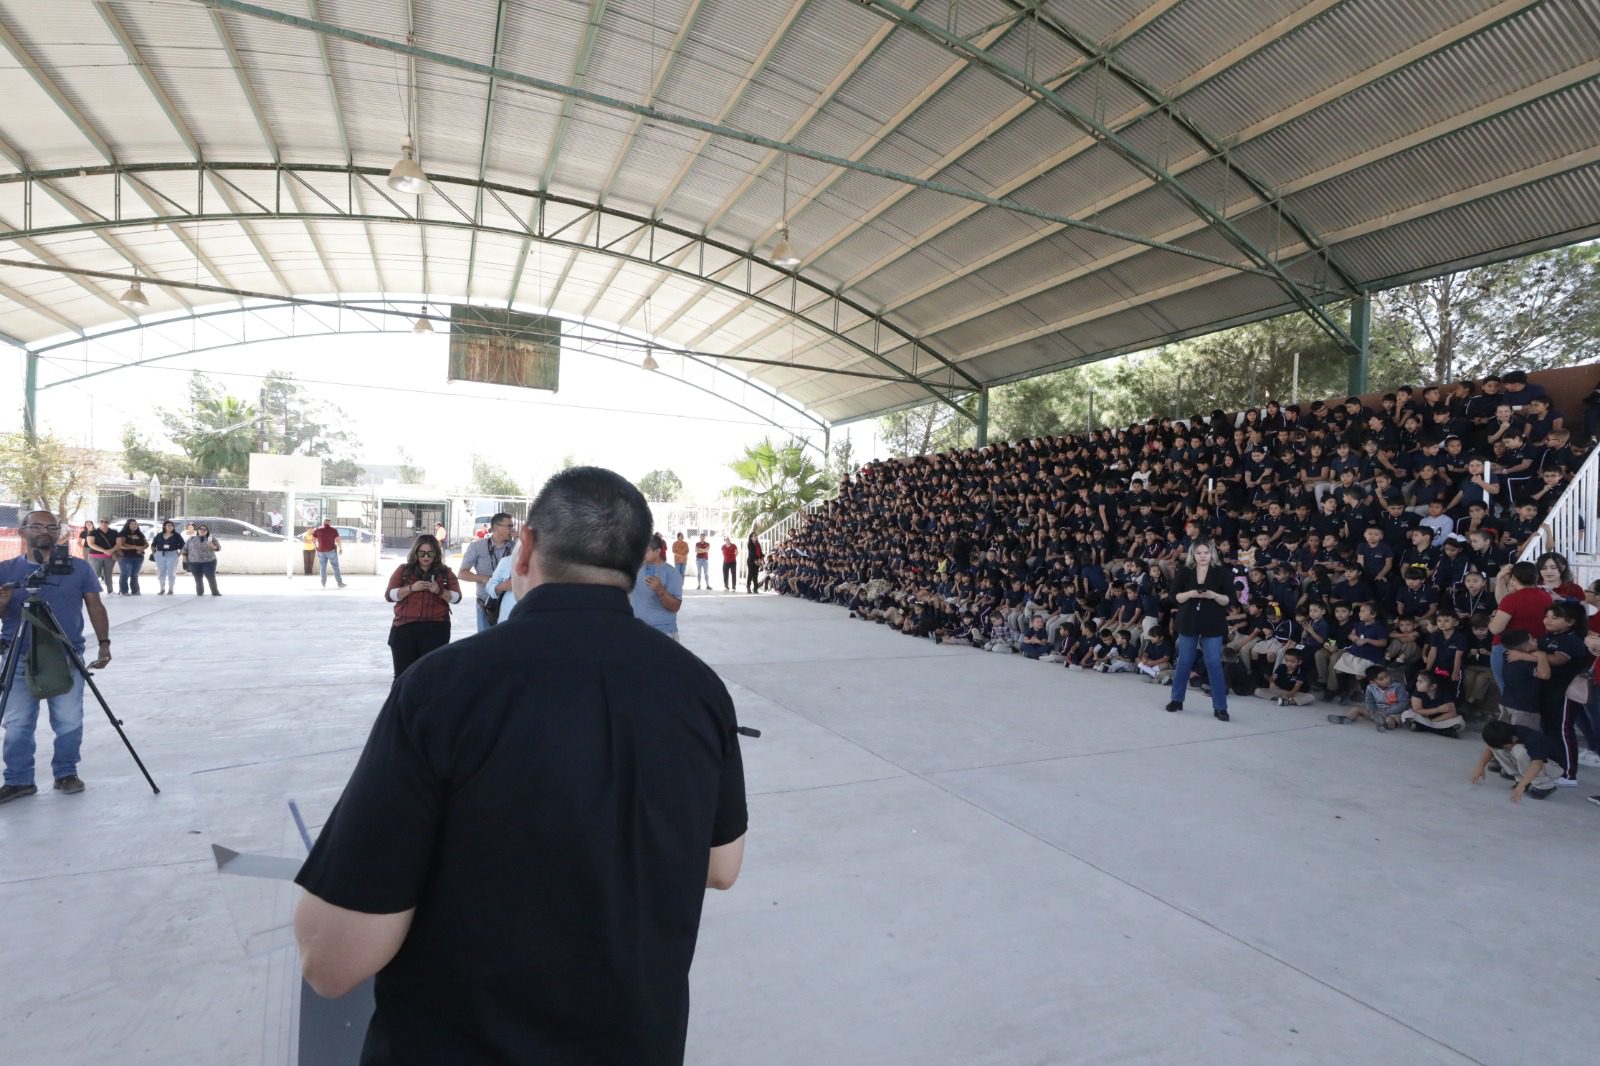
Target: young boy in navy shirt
point(1291, 681)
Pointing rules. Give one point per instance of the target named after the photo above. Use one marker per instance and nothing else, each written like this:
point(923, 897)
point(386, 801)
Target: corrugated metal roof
point(1407, 136)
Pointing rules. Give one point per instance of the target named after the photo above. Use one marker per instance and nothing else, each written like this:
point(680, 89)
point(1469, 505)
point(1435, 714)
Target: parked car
point(354, 534)
point(225, 529)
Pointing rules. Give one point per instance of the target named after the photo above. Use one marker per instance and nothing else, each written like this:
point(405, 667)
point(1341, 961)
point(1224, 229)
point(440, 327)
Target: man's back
point(545, 795)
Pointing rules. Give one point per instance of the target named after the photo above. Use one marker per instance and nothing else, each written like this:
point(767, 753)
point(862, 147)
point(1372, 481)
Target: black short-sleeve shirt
point(545, 794)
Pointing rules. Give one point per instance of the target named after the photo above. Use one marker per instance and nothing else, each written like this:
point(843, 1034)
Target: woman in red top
point(422, 589)
point(1555, 577)
point(1521, 605)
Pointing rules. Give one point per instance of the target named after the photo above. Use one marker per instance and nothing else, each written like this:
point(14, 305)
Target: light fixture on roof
point(782, 252)
point(134, 297)
point(650, 360)
point(407, 177)
point(649, 349)
point(422, 325)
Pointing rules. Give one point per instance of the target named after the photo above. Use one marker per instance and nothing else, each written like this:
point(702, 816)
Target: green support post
point(1360, 341)
point(30, 397)
point(983, 416)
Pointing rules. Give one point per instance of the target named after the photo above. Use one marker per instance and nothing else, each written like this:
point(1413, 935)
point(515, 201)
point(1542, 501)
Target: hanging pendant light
point(650, 360)
point(422, 325)
point(407, 177)
point(649, 349)
point(134, 298)
point(783, 252)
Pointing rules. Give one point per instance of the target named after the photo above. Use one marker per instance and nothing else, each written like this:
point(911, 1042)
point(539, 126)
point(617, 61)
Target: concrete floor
point(954, 858)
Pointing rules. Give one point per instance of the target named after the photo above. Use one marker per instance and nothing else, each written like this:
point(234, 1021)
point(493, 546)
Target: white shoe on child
point(1588, 758)
point(1566, 782)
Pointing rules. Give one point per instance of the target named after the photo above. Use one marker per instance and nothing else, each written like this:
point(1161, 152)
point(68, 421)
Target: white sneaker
point(1566, 782)
point(1588, 758)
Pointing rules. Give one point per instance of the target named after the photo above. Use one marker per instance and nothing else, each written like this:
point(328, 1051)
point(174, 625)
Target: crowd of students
point(1371, 552)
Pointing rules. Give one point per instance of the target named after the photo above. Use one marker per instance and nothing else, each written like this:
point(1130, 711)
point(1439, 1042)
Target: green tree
point(491, 479)
point(661, 486)
point(47, 472)
point(294, 422)
point(409, 472)
point(774, 482)
point(140, 459)
point(842, 464)
point(933, 427)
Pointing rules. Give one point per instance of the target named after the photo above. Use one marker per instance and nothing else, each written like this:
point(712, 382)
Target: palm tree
point(223, 437)
point(775, 483)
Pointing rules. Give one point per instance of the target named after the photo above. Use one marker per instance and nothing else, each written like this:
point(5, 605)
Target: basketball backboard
point(285, 473)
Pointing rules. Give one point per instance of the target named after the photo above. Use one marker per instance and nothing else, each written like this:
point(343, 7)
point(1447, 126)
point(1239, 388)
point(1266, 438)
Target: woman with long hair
point(131, 543)
point(1204, 591)
point(422, 589)
point(1555, 577)
point(200, 552)
point(753, 556)
point(166, 547)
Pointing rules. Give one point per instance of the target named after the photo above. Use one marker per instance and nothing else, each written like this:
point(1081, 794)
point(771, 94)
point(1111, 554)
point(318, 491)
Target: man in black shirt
point(522, 851)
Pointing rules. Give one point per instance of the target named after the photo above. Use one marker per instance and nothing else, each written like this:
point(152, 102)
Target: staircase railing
point(775, 535)
point(1569, 527)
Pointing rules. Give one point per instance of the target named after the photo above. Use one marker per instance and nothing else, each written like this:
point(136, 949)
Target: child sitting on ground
point(1433, 708)
point(1527, 756)
point(1155, 661)
point(1386, 699)
point(1291, 684)
point(1123, 657)
point(1034, 643)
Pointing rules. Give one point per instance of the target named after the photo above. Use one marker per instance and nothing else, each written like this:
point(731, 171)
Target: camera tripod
point(37, 614)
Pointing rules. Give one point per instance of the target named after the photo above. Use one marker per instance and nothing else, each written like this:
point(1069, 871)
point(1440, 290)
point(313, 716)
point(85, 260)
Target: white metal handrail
point(776, 534)
point(1569, 527)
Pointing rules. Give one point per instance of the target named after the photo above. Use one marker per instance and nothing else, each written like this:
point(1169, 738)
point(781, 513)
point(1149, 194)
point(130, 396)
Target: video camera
point(57, 564)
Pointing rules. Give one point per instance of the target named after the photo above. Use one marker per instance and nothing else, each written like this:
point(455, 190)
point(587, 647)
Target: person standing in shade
point(752, 563)
point(658, 589)
point(102, 551)
point(1204, 590)
point(702, 562)
point(308, 549)
point(131, 543)
point(275, 521)
point(422, 589)
point(167, 547)
point(730, 564)
point(70, 596)
point(680, 555)
point(200, 551)
point(522, 852)
point(329, 548)
point(483, 555)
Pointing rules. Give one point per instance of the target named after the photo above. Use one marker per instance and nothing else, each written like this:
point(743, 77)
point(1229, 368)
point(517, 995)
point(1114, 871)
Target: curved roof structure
point(976, 190)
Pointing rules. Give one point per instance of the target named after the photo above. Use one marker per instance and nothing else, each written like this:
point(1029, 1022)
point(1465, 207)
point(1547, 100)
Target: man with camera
point(70, 589)
point(522, 853)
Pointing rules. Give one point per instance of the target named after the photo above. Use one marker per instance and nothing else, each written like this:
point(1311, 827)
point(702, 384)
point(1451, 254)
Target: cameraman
point(68, 593)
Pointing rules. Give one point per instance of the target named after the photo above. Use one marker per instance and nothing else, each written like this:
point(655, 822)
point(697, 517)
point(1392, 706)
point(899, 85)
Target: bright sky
point(394, 389)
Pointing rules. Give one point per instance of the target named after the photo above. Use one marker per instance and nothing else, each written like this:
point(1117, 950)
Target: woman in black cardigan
point(1204, 590)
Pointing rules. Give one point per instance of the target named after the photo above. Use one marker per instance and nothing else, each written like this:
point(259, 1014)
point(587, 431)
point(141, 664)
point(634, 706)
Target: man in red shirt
point(328, 548)
point(730, 563)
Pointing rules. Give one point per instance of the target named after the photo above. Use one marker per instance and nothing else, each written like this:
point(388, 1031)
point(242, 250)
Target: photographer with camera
point(69, 588)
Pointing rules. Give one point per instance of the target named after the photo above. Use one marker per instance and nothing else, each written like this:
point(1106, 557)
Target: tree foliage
point(47, 472)
point(491, 479)
point(1532, 314)
point(661, 486)
point(774, 482)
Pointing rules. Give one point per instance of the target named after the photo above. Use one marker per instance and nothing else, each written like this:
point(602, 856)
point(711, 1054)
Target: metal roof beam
point(28, 302)
point(712, 129)
point(465, 221)
point(386, 314)
point(1456, 34)
point(344, 141)
point(488, 127)
point(179, 127)
point(265, 128)
point(1124, 149)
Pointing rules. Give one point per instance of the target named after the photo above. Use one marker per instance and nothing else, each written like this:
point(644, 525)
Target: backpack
point(1241, 679)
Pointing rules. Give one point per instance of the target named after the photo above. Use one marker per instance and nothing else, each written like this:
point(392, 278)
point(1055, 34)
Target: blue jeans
point(323, 559)
point(683, 568)
point(702, 572)
point(483, 619)
point(1497, 667)
point(167, 570)
point(128, 574)
point(21, 715)
point(1211, 648)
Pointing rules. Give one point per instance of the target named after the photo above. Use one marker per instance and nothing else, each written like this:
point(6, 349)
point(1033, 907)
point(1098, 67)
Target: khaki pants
point(1323, 664)
point(1455, 721)
point(1273, 692)
point(1475, 683)
point(1514, 764)
point(1512, 716)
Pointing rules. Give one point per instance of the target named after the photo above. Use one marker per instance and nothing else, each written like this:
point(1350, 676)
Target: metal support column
point(983, 416)
point(827, 445)
point(30, 397)
point(1360, 339)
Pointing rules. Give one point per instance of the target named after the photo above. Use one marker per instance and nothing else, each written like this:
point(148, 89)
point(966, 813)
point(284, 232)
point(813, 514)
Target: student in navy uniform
point(1563, 646)
point(1524, 756)
point(1433, 708)
point(1291, 681)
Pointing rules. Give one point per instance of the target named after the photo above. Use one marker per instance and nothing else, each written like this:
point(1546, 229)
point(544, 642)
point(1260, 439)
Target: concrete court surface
point(954, 858)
